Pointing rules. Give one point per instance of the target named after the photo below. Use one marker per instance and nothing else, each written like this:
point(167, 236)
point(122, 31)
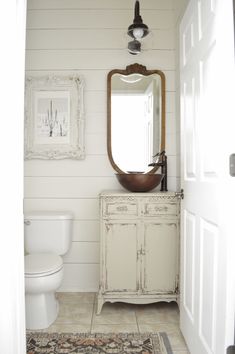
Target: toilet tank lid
point(48, 215)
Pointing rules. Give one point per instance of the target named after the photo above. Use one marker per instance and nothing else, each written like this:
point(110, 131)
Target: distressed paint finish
point(139, 243)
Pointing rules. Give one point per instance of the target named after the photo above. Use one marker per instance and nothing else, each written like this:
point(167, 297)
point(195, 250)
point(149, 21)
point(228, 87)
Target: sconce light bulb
point(134, 47)
point(138, 33)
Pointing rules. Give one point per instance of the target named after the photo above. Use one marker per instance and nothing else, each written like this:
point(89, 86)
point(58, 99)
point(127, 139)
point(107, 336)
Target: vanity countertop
point(136, 194)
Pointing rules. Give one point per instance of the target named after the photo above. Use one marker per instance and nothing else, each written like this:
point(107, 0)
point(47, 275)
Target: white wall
point(179, 9)
point(88, 36)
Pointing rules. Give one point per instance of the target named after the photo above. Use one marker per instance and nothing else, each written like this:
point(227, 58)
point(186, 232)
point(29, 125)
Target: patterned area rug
point(77, 343)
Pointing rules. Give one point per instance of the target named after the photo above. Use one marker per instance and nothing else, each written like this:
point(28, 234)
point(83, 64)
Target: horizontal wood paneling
point(101, 4)
point(71, 169)
point(171, 144)
point(170, 102)
point(96, 18)
point(92, 165)
point(68, 187)
point(83, 252)
point(172, 184)
point(95, 144)
point(172, 169)
point(96, 79)
point(82, 209)
point(101, 39)
point(95, 59)
point(86, 230)
point(170, 123)
point(88, 37)
point(96, 123)
point(80, 277)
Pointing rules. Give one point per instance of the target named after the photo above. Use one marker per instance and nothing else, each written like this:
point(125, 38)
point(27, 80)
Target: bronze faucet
point(161, 161)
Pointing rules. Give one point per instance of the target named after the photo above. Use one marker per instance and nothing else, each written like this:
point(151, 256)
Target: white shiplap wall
point(88, 36)
point(179, 9)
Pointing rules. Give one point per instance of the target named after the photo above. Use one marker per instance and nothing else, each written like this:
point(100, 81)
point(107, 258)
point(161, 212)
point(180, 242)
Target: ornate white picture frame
point(54, 117)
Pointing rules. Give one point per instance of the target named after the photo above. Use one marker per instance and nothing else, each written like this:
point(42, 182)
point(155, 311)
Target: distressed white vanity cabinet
point(139, 247)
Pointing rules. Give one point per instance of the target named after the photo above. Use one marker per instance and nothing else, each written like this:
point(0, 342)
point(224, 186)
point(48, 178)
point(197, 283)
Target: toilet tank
point(48, 232)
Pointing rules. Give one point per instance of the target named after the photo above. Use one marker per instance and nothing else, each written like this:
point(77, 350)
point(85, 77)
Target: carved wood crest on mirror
point(135, 122)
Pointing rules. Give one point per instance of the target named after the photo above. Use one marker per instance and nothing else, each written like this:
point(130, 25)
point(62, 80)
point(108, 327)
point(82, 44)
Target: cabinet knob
point(140, 252)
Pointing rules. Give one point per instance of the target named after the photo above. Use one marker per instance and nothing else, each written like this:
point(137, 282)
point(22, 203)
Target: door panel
point(121, 239)
point(208, 286)
point(188, 39)
point(160, 257)
point(210, 127)
point(189, 264)
point(206, 11)
point(189, 127)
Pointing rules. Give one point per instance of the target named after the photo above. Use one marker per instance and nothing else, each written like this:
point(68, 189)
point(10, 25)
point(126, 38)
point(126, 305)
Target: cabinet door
point(160, 257)
point(121, 265)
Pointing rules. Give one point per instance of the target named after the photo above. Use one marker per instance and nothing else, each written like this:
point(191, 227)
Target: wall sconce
point(137, 30)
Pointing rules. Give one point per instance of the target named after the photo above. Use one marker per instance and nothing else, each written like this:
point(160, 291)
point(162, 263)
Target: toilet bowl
point(43, 276)
point(47, 238)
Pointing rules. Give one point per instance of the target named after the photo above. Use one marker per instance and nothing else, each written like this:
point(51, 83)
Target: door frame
point(12, 299)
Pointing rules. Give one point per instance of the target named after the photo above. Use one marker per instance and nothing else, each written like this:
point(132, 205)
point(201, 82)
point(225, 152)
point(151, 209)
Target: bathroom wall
point(179, 9)
point(88, 37)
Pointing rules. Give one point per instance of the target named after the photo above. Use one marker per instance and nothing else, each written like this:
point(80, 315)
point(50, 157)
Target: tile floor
point(78, 314)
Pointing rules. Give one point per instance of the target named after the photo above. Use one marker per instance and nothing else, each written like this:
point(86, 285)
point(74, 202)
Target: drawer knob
point(160, 209)
point(122, 208)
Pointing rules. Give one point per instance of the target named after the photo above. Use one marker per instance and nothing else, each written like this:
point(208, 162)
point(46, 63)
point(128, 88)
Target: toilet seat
point(42, 264)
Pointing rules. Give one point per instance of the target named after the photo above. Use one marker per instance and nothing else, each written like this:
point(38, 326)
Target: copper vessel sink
point(139, 182)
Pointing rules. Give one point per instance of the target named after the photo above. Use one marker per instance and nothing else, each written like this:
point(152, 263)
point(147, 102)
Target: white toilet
point(48, 236)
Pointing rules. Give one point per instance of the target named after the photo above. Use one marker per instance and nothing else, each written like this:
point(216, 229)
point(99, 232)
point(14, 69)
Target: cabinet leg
point(100, 303)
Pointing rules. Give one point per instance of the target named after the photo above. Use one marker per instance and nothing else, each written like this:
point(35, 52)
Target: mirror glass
point(136, 118)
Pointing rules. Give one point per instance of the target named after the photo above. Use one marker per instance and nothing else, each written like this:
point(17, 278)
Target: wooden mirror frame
point(134, 69)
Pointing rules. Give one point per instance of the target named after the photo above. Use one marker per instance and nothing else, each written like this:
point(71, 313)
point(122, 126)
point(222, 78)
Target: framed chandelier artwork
point(54, 117)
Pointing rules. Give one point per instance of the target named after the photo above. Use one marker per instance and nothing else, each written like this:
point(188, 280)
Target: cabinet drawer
point(153, 209)
point(120, 208)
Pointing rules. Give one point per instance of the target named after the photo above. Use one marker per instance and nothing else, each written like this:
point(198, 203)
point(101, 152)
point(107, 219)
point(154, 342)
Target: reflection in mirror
point(136, 118)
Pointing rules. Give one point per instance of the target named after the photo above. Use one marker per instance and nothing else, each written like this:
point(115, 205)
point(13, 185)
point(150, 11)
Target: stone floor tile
point(115, 314)
point(159, 327)
point(76, 297)
point(77, 315)
point(71, 312)
point(177, 341)
point(114, 328)
point(158, 313)
point(69, 328)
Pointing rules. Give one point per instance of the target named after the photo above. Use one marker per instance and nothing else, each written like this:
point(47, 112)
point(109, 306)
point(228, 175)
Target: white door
point(207, 140)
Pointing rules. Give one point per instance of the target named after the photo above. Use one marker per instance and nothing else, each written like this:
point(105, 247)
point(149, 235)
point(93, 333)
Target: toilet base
point(41, 310)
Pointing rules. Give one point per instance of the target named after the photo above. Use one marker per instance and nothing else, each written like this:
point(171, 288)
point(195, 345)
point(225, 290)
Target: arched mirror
point(136, 118)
